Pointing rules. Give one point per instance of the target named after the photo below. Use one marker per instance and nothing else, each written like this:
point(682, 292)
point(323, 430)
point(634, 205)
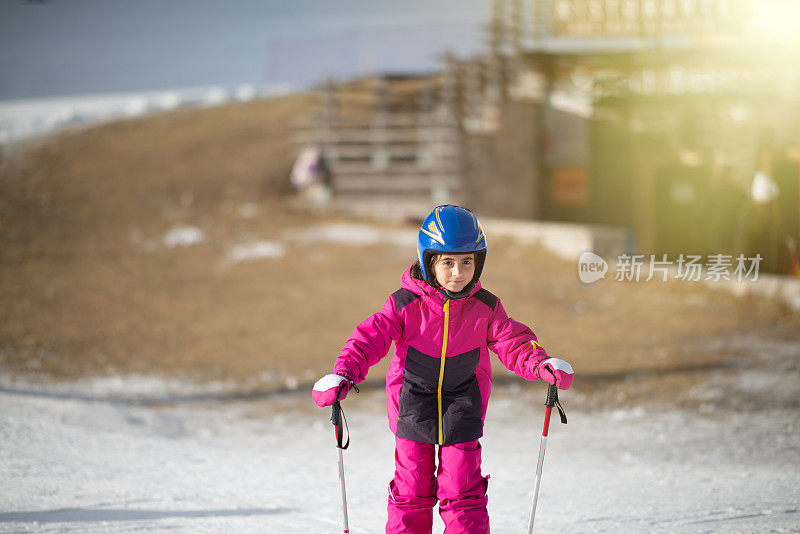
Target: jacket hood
point(421, 287)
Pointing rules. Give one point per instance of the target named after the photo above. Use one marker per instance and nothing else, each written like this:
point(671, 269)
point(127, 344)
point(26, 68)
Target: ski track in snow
point(269, 465)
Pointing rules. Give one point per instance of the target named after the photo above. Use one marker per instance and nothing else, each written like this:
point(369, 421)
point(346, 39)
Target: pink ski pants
point(457, 484)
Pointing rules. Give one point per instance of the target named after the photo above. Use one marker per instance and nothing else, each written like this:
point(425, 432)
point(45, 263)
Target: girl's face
point(454, 271)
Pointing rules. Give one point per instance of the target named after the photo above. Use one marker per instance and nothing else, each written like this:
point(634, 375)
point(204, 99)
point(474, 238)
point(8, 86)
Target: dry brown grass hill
point(90, 287)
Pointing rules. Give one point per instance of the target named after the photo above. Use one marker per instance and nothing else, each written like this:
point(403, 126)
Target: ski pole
point(336, 419)
point(552, 400)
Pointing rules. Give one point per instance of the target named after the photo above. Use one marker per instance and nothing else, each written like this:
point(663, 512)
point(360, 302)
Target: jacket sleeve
point(515, 344)
point(369, 343)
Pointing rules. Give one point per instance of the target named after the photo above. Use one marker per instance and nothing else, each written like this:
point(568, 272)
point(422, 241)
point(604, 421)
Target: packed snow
point(23, 118)
point(255, 250)
point(73, 463)
point(355, 235)
point(183, 236)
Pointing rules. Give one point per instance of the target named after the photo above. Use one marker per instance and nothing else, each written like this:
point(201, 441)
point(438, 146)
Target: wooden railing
point(392, 148)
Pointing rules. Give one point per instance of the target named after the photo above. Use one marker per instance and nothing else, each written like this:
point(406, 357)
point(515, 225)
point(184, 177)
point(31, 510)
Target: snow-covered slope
point(20, 119)
point(269, 465)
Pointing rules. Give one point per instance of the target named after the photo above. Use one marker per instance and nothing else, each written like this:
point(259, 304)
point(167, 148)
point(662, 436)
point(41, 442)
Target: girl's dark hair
point(416, 271)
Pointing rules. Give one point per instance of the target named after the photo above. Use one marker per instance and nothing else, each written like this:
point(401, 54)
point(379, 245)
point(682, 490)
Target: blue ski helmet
point(452, 229)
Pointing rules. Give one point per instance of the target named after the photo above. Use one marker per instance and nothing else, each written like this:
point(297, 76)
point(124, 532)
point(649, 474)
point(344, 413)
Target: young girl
point(439, 380)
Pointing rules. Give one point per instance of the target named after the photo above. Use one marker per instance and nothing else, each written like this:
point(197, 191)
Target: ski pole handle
point(336, 414)
point(552, 401)
point(339, 424)
point(336, 419)
point(552, 396)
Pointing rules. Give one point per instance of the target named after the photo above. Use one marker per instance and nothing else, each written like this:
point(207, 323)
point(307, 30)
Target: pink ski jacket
point(440, 377)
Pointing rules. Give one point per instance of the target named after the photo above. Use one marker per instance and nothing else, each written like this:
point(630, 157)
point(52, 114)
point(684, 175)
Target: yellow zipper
point(446, 310)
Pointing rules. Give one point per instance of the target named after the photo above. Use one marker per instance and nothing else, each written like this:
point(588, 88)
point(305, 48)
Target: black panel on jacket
point(418, 417)
point(486, 297)
point(403, 297)
point(462, 406)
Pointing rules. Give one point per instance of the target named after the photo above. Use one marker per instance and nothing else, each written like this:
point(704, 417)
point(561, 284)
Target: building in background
point(658, 115)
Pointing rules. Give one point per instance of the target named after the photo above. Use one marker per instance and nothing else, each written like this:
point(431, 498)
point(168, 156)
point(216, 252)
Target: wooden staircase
point(393, 146)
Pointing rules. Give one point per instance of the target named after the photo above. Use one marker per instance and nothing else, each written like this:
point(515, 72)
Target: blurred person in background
point(759, 222)
point(311, 176)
